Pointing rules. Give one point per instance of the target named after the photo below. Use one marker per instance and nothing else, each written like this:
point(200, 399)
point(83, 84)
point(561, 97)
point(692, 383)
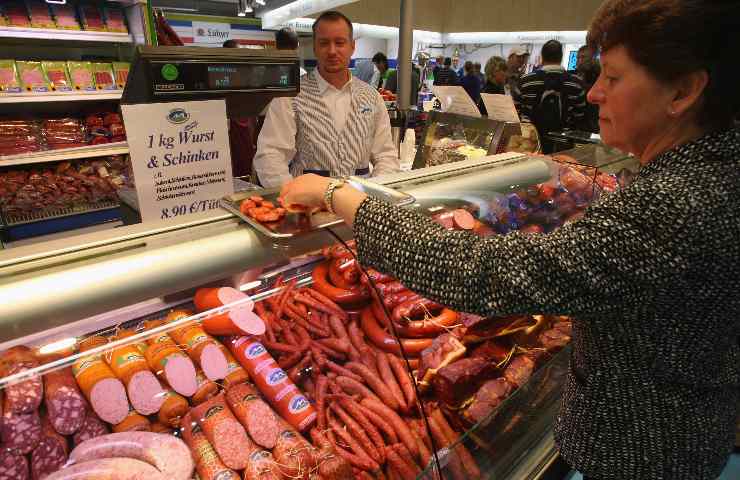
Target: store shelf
point(58, 35)
point(91, 151)
point(6, 98)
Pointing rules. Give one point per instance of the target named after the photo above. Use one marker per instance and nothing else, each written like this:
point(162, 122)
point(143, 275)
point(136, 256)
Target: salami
point(262, 466)
point(64, 401)
point(261, 422)
point(13, 466)
point(295, 456)
point(25, 396)
point(92, 427)
point(51, 453)
point(20, 431)
point(224, 432)
point(207, 462)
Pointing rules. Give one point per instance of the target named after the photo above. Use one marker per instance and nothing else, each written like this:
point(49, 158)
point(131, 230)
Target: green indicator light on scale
point(170, 72)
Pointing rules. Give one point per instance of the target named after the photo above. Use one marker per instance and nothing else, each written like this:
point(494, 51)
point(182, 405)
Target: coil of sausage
point(109, 468)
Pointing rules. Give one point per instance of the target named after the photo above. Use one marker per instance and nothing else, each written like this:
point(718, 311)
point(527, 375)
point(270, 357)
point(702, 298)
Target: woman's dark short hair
point(468, 67)
point(671, 38)
point(333, 16)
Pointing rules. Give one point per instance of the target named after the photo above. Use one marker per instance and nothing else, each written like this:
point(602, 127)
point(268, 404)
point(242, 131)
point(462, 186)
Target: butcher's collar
point(324, 85)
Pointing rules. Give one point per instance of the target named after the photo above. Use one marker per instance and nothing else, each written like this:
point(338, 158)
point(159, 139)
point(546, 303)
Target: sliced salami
point(24, 396)
point(92, 427)
point(258, 418)
point(13, 466)
point(64, 401)
point(50, 454)
point(21, 432)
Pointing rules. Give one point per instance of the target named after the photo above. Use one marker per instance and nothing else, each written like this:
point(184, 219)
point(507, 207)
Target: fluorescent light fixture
point(57, 2)
point(260, 2)
point(58, 346)
point(300, 8)
point(515, 37)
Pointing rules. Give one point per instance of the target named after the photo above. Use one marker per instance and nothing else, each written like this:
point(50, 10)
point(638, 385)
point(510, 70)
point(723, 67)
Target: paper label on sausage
point(215, 410)
point(132, 357)
point(285, 391)
point(275, 376)
point(298, 404)
point(84, 364)
point(255, 350)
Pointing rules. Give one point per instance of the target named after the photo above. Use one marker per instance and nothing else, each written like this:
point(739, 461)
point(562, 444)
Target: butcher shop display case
point(280, 359)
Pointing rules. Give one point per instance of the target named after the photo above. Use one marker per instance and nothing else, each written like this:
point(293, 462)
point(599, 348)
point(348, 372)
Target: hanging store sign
point(180, 156)
point(207, 32)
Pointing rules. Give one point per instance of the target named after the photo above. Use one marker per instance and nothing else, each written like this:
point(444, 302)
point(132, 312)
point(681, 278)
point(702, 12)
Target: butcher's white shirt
point(276, 143)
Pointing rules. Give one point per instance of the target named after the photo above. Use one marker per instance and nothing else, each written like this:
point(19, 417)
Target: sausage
point(332, 466)
point(92, 427)
point(129, 365)
point(103, 390)
point(235, 372)
point(388, 378)
point(360, 458)
point(375, 382)
point(338, 295)
point(295, 457)
point(169, 363)
point(24, 396)
point(238, 320)
point(21, 432)
point(273, 382)
point(467, 460)
point(380, 423)
point(403, 313)
point(173, 409)
point(208, 465)
point(326, 301)
point(463, 219)
point(358, 432)
point(168, 454)
point(398, 464)
point(313, 302)
point(458, 472)
point(205, 388)
point(224, 432)
point(13, 466)
point(51, 452)
point(109, 469)
point(262, 466)
point(64, 401)
point(159, 427)
point(257, 417)
point(404, 378)
point(385, 341)
point(399, 426)
point(133, 423)
point(395, 299)
point(353, 387)
point(200, 346)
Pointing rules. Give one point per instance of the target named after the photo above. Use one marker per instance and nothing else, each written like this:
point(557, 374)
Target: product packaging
point(58, 76)
point(32, 77)
point(91, 17)
point(9, 82)
point(38, 10)
point(3, 21)
point(120, 71)
point(16, 14)
point(104, 76)
point(114, 19)
point(81, 74)
point(65, 17)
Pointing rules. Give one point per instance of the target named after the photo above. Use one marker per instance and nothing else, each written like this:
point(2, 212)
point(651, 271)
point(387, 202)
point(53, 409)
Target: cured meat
point(519, 370)
point(81, 74)
point(20, 431)
point(262, 466)
point(169, 362)
point(224, 432)
point(24, 396)
point(444, 350)
point(92, 427)
point(65, 17)
point(200, 346)
point(295, 456)
point(487, 399)
point(261, 422)
point(51, 453)
point(208, 465)
point(456, 382)
point(13, 466)
point(64, 401)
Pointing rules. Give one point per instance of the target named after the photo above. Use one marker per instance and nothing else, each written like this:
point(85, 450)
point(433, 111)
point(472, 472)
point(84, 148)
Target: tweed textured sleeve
point(601, 263)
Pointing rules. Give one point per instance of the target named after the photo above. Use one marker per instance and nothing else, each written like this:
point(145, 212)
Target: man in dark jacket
point(446, 75)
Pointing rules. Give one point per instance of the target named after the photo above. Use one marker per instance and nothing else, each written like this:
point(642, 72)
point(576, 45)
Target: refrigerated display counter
point(102, 303)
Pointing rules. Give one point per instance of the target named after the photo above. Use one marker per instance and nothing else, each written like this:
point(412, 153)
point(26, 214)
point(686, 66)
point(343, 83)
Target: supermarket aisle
point(731, 472)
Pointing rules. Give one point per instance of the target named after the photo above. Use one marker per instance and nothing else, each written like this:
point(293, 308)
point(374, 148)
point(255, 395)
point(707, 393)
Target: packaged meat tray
point(40, 14)
point(63, 133)
point(18, 136)
point(82, 77)
point(65, 17)
point(16, 14)
point(104, 79)
point(58, 76)
point(9, 82)
point(32, 77)
point(91, 17)
point(120, 71)
point(114, 19)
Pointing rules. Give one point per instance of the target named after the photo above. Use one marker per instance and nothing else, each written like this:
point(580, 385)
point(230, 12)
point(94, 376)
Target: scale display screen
point(237, 77)
point(203, 77)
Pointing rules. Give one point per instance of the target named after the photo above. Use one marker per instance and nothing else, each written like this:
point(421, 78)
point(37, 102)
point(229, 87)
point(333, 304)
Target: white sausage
point(168, 454)
point(109, 469)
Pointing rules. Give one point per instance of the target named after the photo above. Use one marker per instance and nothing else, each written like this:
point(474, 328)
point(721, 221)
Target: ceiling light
point(260, 2)
point(57, 2)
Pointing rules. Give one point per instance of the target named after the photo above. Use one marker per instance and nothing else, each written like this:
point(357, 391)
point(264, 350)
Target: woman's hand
point(307, 190)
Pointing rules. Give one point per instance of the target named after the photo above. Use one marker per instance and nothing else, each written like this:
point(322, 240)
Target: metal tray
point(296, 224)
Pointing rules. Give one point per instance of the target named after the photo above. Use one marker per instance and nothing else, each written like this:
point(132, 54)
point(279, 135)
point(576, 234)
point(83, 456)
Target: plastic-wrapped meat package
point(32, 77)
point(81, 74)
point(16, 13)
point(114, 20)
point(65, 17)
point(9, 76)
point(58, 76)
point(104, 76)
point(17, 137)
point(120, 71)
point(63, 133)
point(91, 17)
point(40, 15)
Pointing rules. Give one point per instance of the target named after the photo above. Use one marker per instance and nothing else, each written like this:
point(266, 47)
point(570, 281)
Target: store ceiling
point(450, 16)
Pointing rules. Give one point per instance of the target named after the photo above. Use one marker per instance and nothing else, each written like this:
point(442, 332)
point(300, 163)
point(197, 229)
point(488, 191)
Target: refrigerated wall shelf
point(59, 35)
point(7, 98)
point(91, 151)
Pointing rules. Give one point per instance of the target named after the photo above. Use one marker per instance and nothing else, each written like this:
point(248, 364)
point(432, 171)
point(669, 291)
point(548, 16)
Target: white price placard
point(500, 107)
point(180, 155)
point(456, 100)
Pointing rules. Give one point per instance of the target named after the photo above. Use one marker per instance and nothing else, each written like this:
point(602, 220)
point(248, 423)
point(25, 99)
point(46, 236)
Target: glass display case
point(152, 328)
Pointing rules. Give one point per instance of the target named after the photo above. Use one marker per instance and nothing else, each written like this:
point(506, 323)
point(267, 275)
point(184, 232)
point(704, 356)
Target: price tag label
point(500, 107)
point(180, 155)
point(456, 100)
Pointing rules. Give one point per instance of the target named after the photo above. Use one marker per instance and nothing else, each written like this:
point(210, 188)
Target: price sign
point(181, 158)
point(456, 100)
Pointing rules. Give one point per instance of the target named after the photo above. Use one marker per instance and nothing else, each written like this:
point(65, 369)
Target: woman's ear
point(689, 89)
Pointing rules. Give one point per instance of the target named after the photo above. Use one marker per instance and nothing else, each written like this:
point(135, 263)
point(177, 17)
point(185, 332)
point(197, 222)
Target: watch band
point(329, 194)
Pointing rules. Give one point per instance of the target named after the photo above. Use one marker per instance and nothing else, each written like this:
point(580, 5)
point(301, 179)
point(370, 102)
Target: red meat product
point(21, 432)
point(24, 396)
point(444, 350)
point(114, 19)
point(492, 351)
point(456, 382)
point(261, 422)
point(91, 17)
point(224, 432)
point(13, 466)
point(519, 370)
point(16, 14)
point(50, 454)
point(92, 427)
point(553, 339)
point(40, 16)
point(208, 465)
point(295, 457)
point(65, 17)
point(64, 401)
point(487, 399)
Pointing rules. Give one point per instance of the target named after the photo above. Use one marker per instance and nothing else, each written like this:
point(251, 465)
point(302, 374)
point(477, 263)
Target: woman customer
point(496, 69)
point(470, 82)
point(651, 273)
